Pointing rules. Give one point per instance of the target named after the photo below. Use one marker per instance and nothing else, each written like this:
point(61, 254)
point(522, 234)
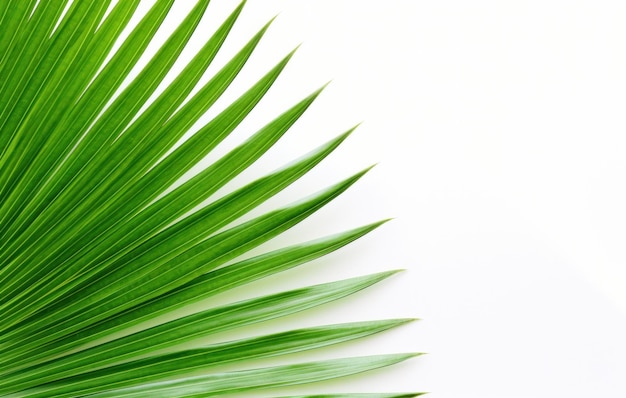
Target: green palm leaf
point(105, 240)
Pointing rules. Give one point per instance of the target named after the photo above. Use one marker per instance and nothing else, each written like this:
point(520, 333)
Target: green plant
point(95, 245)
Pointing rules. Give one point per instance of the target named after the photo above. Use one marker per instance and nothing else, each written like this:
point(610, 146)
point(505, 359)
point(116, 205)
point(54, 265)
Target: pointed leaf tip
point(386, 220)
point(322, 88)
point(407, 355)
point(372, 226)
point(396, 271)
point(400, 321)
point(387, 274)
point(292, 52)
point(267, 25)
point(364, 171)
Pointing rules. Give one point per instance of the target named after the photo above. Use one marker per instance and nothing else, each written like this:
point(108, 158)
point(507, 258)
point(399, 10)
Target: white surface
point(499, 128)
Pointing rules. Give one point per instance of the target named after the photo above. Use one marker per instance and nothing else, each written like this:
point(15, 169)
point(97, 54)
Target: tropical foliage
point(101, 241)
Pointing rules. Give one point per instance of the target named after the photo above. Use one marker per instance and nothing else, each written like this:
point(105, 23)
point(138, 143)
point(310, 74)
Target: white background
point(499, 131)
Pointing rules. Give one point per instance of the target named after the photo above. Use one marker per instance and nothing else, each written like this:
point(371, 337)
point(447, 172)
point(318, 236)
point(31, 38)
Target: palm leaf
point(109, 233)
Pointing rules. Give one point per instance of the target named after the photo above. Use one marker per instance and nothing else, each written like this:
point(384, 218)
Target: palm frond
point(105, 236)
